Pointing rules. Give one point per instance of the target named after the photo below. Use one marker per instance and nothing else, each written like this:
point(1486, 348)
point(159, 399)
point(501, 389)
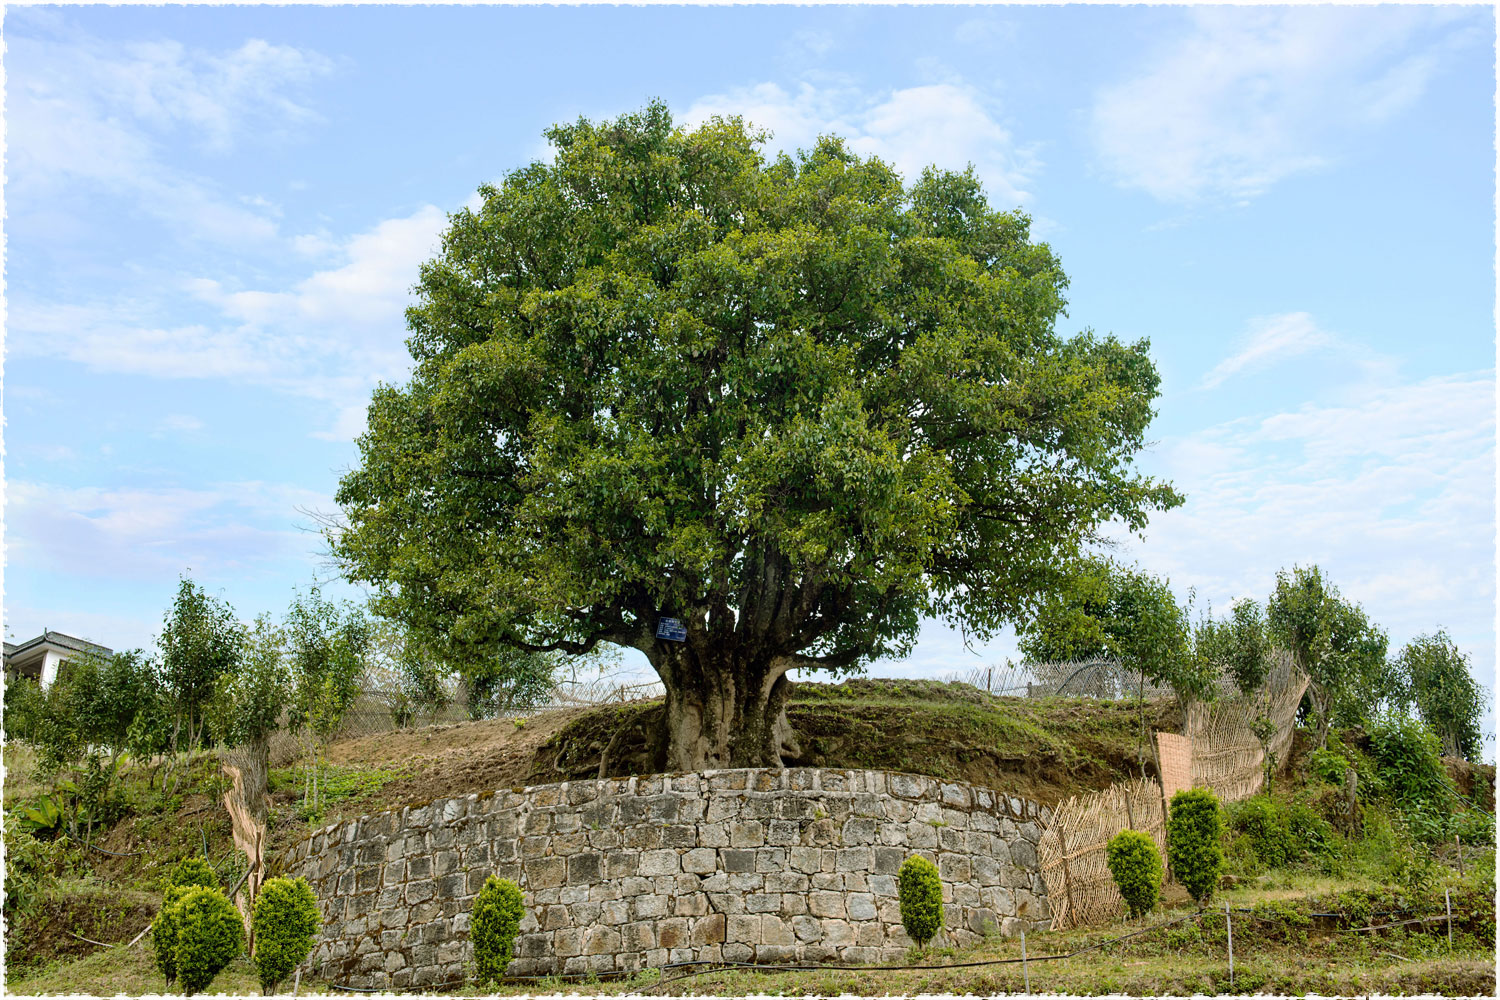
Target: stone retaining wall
point(792, 865)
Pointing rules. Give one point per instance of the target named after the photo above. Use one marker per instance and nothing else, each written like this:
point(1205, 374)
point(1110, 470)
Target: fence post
point(1025, 972)
point(1448, 905)
point(1229, 930)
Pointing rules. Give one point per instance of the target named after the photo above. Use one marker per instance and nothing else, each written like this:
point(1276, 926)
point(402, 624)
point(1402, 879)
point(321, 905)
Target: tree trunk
point(722, 711)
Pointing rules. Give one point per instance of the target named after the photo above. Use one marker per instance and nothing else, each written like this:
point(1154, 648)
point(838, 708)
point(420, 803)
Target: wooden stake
point(1025, 973)
point(1448, 905)
point(1229, 929)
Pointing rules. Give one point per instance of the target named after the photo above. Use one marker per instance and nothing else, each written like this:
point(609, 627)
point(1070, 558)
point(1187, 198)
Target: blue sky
point(214, 215)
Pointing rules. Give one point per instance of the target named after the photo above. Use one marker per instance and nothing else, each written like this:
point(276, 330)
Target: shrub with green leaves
point(1194, 828)
point(1266, 826)
point(1408, 761)
point(1136, 866)
point(194, 871)
point(285, 920)
point(920, 890)
point(1328, 765)
point(210, 935)
point(498, 910)
point(164, 931)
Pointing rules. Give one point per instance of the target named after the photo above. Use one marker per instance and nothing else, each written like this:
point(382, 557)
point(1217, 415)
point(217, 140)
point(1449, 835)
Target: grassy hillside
point(58, 895)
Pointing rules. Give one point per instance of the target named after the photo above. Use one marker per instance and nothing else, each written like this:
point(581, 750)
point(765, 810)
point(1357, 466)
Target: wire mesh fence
point(1095, 677)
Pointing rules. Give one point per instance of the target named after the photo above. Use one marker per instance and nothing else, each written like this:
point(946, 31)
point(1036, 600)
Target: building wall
point(792, 865)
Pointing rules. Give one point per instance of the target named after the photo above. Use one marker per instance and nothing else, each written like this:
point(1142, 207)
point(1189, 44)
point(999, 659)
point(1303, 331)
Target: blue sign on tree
point(671, 628)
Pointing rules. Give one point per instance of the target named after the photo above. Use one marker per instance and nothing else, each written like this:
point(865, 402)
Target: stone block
point(747, 833)
point(785, 881)
point(869, 935)
point(1023, 854)
point(738, 860)
point(679, 835)
point(806, 859)
point(921, 836)
point(727, 902)
point(838, 933)
point(950, 839)
point(641, 837)
point(783, 833)
point(860, 830)
point(614, 912)
point(860, 906)
point(953, 867)
point(672, 932)
point(907, 786)
point(583, 869)
point(649, 905)
point(712, 835)
point(735, 952)
point(568, 942)
point(828, 881)
point(793, 903)
point(419, 892)
point(701, 861)
point(856, 859)
point(770, 859)
point(762, 902)
point(660, 862)
point(826, 904)
point(546, 873)
point(601, 941)
point(693, 904)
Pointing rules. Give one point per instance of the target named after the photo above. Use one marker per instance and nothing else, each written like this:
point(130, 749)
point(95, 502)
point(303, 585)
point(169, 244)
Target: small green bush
point(920, 890)
point(1408, 761)
point(1328, 765)
point(1136, 866)
point(210, 934)
point(498, 910)
point(1266, 826)
point(164, 931)
point(1194, 829)
point(284, 920)
point(194, 871)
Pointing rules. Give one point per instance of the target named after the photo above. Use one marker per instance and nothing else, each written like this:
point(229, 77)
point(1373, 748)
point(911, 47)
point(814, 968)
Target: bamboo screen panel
point(1072, 851)
point(1219, 750)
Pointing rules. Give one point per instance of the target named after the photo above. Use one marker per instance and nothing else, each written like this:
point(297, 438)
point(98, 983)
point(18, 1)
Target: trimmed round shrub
point(210, 934)
point(164, 931)
point(284, 920)
point(498, 910)
point(920, 890)
point(1193, 830)
point(1135, 864)
point(194, 871)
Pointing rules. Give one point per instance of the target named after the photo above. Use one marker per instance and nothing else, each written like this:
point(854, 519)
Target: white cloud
point(184, 423)
point(1250, 96)
point(1391, 491)
point(145, 533)
point(1272, 340)
point(86, 115)
point(329, 336)
point(948, 124)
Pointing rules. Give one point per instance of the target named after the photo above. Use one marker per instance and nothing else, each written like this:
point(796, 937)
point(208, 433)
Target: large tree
point(789, 402)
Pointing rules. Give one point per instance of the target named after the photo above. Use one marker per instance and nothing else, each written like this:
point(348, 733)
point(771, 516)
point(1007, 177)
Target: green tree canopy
point(200, 641)
point(1447, 696)
point(1124, 614)
point(1334, 642)
point(791, 402)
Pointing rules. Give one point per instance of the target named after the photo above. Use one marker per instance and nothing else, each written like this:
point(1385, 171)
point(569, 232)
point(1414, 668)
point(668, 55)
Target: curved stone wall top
point(619, 873)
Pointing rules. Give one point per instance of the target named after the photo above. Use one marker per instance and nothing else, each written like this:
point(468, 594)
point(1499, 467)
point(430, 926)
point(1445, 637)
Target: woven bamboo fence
point(1223, 754)
point(1072, 849)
